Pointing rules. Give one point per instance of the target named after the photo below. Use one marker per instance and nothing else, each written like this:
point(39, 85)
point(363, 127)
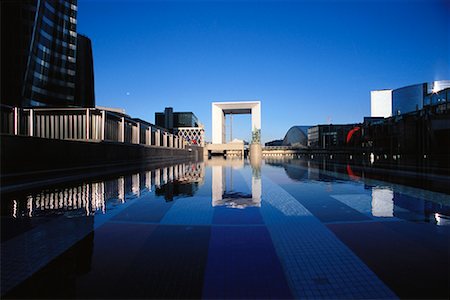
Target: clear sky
point(309, 62)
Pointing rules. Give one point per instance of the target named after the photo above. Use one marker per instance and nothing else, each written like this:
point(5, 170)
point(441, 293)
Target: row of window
point(56, 61)
point(51, 67)
point(59, 82)
point(38, 92)
point(58, 38)
point(58, 48)
point(437, 98)
point(53, 86)
point(54, 89)
point(68, 14)
point(66, 27)
point(54, 52)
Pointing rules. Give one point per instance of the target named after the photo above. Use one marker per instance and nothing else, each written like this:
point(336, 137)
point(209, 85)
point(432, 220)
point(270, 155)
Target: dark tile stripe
point(413, 268)
point(170, 264)
point(242, 263)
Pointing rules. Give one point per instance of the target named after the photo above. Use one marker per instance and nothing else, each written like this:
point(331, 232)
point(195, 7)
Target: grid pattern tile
point(317, 263)
point(190, 211)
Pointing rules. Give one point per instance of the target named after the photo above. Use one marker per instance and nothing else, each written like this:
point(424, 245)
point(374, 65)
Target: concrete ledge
point(229, 148)
point(24, 157)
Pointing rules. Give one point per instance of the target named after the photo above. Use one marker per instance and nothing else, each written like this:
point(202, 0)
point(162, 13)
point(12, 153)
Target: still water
point(227, 229)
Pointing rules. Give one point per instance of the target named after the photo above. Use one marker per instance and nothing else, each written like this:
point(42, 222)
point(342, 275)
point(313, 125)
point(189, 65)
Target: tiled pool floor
point(286, 236)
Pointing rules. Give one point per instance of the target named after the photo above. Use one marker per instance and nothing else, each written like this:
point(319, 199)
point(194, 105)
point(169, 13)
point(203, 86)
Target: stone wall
point(23, 155)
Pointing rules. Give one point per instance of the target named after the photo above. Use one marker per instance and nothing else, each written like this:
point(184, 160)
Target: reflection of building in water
point(83, 199)
point(221, 196)
point(382, 202)
point(187, 178)
point(89, 198)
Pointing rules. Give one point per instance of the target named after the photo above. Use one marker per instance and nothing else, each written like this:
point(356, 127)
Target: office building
point(84, 83)
point(39, 55)
point(414, 97)
point(408, 99)
point(416, 135)
point(170, 120)
point(387, 103)
point(184, 124)
point(331, 136)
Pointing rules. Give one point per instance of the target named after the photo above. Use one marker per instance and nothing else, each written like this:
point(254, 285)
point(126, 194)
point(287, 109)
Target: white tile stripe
point(316, 262)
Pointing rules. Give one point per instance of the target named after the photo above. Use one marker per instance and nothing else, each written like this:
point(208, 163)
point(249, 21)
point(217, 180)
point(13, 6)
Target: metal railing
point(86, 124)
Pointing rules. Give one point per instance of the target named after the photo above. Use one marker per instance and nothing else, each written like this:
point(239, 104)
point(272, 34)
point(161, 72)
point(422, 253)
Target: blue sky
point(309, 62)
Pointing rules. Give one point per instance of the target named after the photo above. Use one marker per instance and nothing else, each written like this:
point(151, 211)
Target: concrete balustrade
point(84, 124)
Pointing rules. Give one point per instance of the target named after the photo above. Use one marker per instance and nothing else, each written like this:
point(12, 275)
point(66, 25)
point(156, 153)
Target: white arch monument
point(220, 109)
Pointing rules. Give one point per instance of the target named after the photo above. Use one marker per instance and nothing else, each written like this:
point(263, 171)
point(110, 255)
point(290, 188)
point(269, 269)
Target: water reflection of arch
point(220, 197)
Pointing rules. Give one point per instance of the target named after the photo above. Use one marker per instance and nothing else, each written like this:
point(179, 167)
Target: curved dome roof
point(296, 136)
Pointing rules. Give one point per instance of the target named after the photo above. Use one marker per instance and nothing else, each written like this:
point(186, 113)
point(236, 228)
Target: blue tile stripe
point(242, 264)
point(32, 250)
point(182, 212)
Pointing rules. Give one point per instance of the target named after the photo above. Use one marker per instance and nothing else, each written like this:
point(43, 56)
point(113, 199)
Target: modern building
point(386, 103)
point(39, 55)
point(408, 99)
point(417, 135)
point(296, 136)
point(331, 136)
point(381, 103)
point(183, 124)
point(170, 119)
point(274, 143)
point(84, 83)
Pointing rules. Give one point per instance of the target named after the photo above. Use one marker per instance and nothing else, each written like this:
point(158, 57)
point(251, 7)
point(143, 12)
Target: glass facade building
point(415, 97)
point(408, 99)
point(84, 84)
point(296, 136)
point(39, 53)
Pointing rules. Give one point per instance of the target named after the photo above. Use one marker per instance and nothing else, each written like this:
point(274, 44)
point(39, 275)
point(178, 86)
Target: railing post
point(149, 135)
point(16, 120)
point(88, 123)
point(122, 130)
point(138, 138)
point(158, 138)
point(103, 125)
point(31, 123)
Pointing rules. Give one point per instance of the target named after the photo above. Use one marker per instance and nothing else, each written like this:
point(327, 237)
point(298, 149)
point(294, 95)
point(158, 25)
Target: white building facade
point(381, 103)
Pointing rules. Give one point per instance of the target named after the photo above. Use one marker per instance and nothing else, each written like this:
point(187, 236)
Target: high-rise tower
point(39, 53)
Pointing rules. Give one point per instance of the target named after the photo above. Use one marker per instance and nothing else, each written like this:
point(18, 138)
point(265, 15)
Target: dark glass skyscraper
point(84, 84)
point(39, 53)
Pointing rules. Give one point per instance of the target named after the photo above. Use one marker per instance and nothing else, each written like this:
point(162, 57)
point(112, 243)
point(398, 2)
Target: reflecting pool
point(227, 229)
